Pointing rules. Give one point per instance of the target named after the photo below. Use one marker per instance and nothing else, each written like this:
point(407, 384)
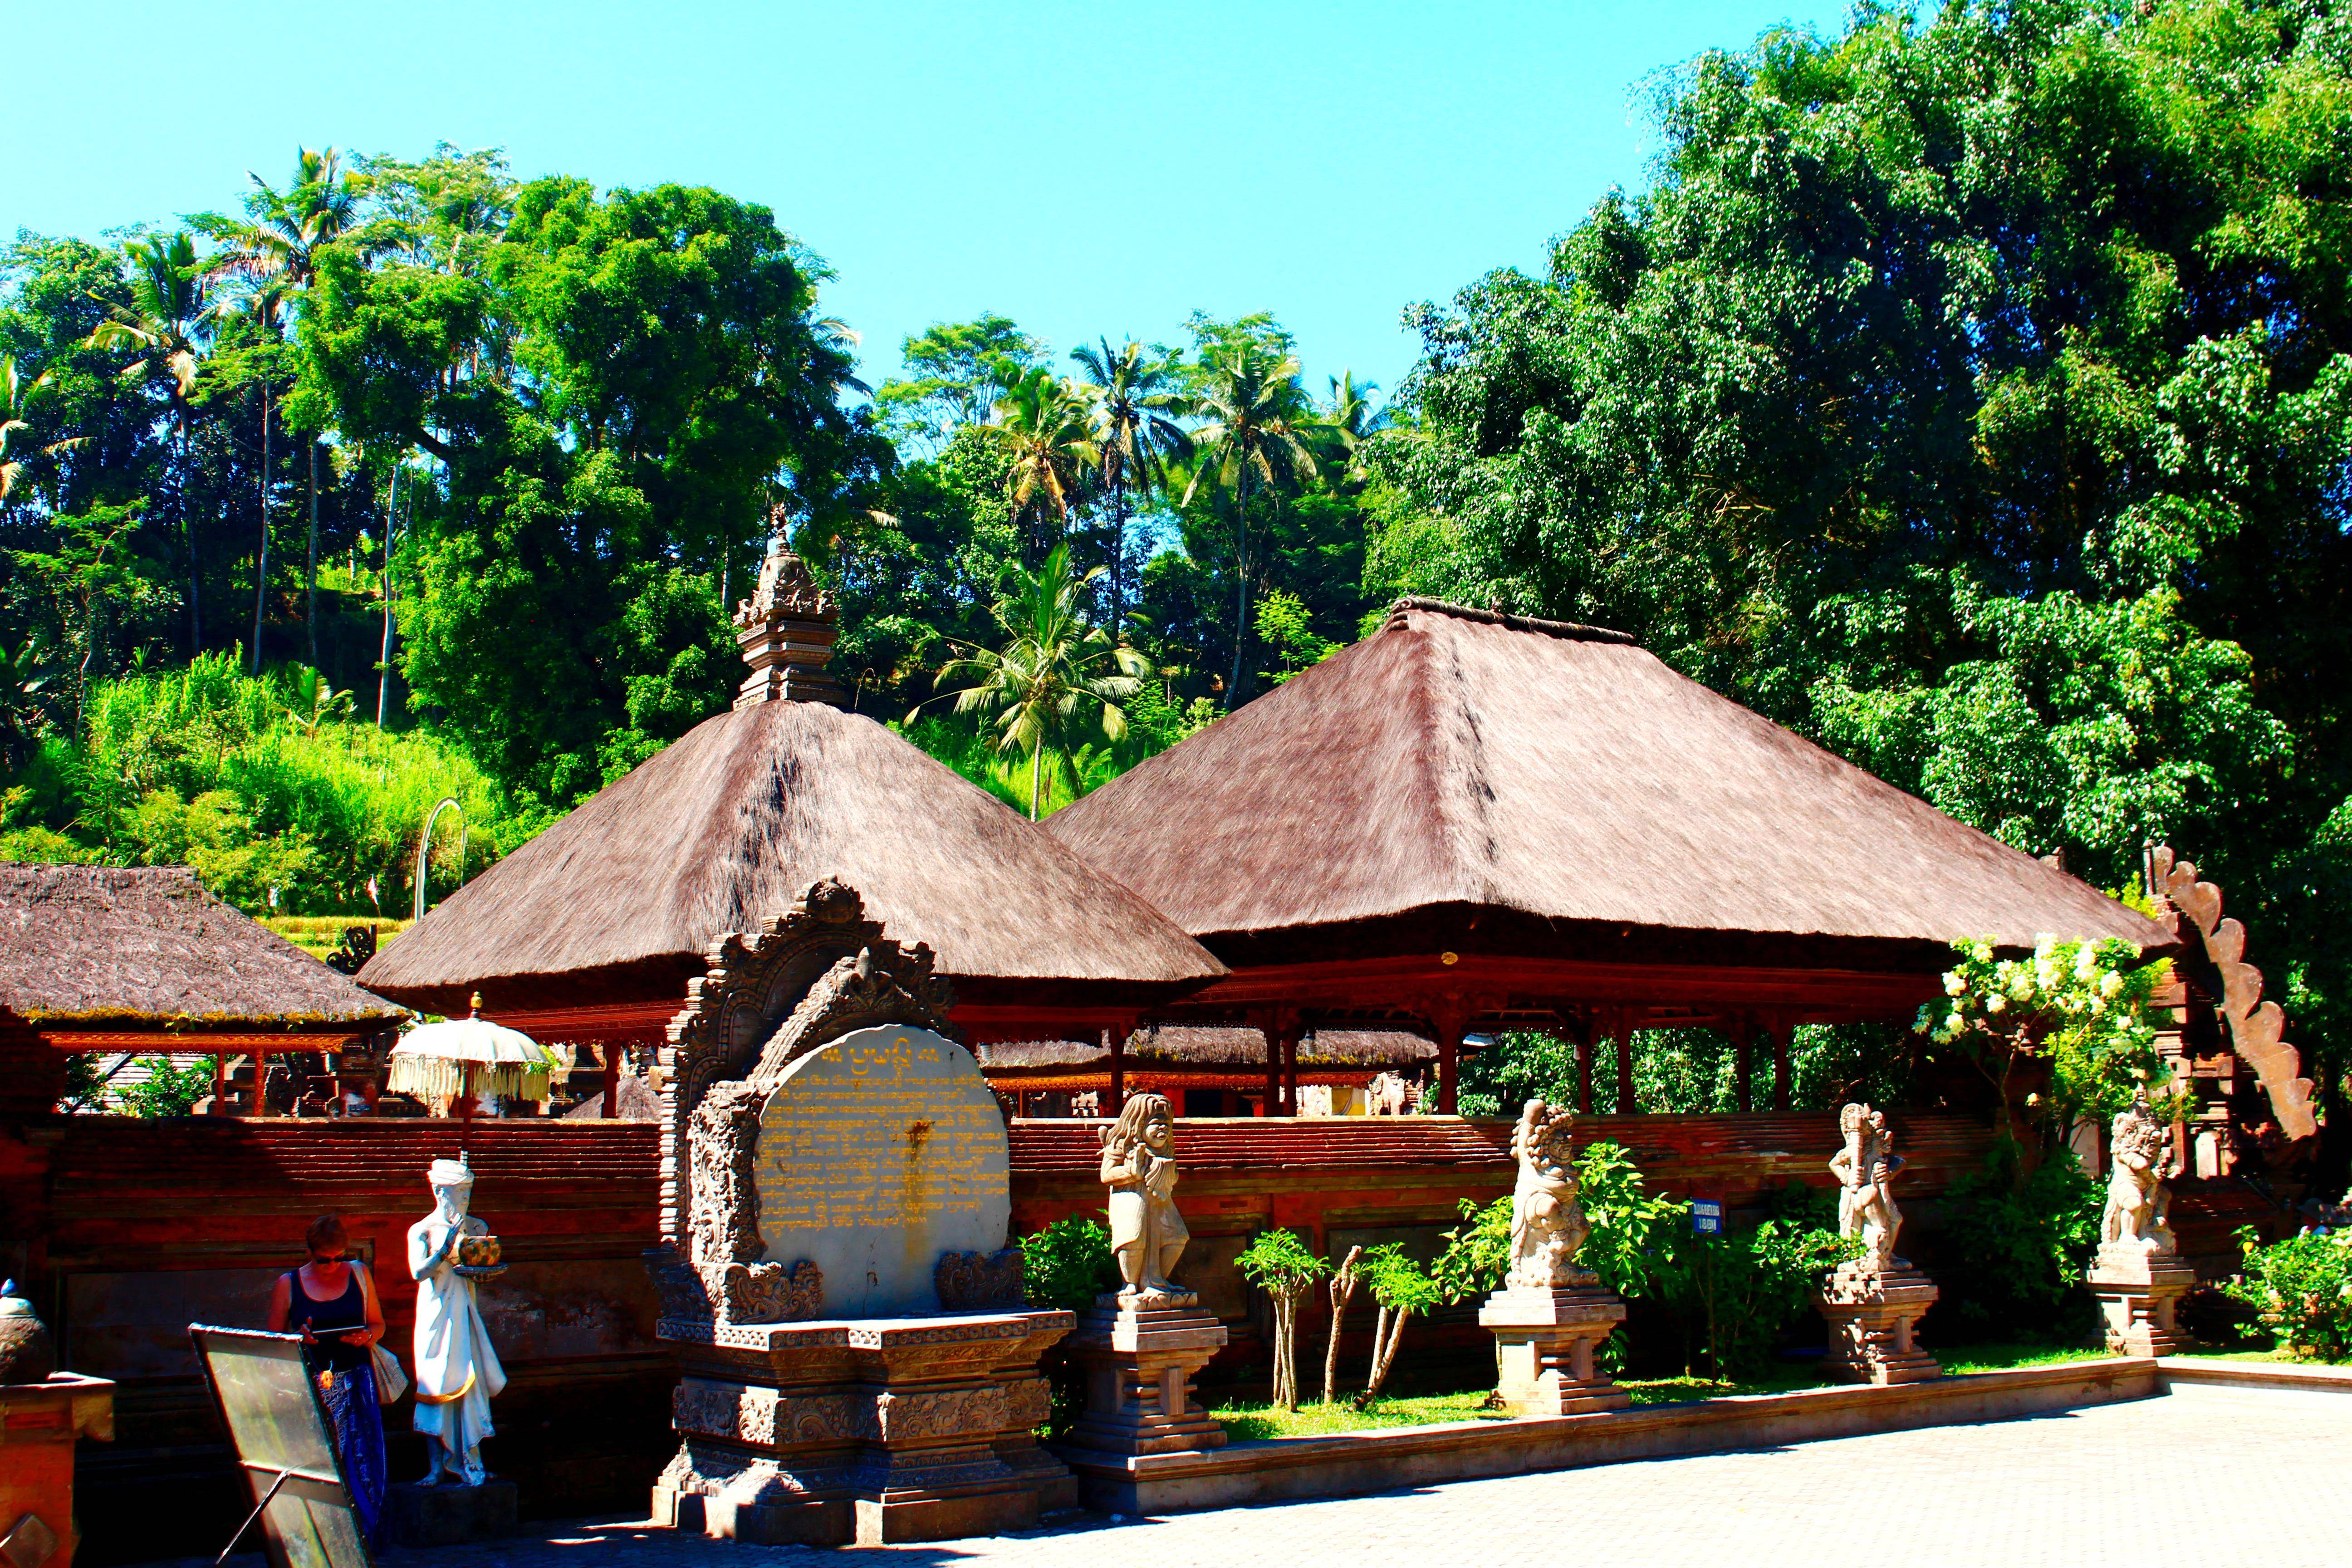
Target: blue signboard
point(1706, 1216)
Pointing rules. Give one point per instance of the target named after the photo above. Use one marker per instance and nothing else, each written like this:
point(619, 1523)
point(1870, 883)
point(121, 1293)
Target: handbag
point(391, 1382)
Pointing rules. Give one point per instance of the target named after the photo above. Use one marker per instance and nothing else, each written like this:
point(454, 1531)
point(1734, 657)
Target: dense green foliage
point(2018, 1236)
point(2302, 1290)
point(1974, 393)
point(277, 797)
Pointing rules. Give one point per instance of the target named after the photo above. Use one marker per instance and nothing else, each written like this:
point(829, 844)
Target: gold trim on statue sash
point(425, 1398)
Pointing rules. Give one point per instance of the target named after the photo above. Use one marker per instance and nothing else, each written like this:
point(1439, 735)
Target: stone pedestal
point(1140, 1365)
point(1545, 1341)
point(2138, 1295)
point(446, 1514)
point(866, 1432)
point(38, 1423)
point(1872, 1315)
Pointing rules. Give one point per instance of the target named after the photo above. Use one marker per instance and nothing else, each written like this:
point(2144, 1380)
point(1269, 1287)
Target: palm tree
point(1260, 426)
point(1136, 407)
point(16, 402)
point(1349, 420)
point(164, 326)
point(1041, 423)
point(1057, 676)
point(274, 249)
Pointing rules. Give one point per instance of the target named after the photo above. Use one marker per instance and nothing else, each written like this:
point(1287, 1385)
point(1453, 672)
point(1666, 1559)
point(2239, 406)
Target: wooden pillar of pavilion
point(1583, 1035)
point(1621, 1030)
point(612, 1076)
point(1290, 1038)
point(1449, 1020)
point(1117, 1039)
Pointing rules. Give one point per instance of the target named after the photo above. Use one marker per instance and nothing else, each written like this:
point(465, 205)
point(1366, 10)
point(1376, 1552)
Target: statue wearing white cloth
point(456, 1371)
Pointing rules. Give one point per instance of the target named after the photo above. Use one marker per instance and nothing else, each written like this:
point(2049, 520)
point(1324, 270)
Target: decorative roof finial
point(787, 629)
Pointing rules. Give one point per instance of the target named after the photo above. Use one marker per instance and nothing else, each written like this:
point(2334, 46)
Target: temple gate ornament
point(1552, 1314)
point(822, 1126)
point(2138, 1273)
point(1142, 1345)
point(1873, 1302)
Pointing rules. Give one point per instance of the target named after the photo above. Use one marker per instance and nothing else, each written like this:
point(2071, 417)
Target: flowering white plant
point(2081, 1005)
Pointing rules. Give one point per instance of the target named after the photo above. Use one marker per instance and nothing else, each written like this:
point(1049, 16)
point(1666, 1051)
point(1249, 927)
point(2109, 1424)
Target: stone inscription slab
point(877, 1152)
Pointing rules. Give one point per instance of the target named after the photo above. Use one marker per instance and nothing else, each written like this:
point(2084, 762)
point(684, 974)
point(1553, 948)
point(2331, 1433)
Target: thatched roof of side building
point(731, 823)
point(1571, 789)
point(85, 945)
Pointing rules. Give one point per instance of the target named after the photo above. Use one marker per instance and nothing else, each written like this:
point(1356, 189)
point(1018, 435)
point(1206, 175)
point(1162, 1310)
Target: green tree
point(1058, 677)
point(957, 370)
point(1279, 1263)
point(1970, 392)
point(1259, 428)
point(162, 326)
point(1040, 422)
point(1136, 406)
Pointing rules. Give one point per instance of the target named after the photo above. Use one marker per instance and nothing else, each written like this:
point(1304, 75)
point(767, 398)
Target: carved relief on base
point(975, 1281)
point(725, 1294)
point(1872, 1315)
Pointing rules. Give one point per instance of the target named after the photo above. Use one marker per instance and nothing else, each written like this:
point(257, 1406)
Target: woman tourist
point(330, 1302)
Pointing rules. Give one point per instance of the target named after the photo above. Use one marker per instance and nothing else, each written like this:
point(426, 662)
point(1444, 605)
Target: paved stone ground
point(2205, 1477)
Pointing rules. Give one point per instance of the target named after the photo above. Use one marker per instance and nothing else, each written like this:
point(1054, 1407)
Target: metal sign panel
point(277, 1423)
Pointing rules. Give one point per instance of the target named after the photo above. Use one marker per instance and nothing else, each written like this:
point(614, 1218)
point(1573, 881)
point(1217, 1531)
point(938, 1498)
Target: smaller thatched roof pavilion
point(592, 930)
point(142, 960)
point(1472, 820)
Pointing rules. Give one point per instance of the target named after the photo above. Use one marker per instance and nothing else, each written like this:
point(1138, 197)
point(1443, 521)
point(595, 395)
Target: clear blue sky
point(1084, 169)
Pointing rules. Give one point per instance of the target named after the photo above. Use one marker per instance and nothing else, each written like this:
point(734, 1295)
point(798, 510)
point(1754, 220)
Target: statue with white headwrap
point(456, 1371)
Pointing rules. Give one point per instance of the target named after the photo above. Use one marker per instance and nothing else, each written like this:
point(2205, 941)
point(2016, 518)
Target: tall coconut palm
point(1057, 676)
point(16, 402)
point(1135, 404)
point(163, 327)
point(1041, 423)
point(274, 249)
point(1260, 430)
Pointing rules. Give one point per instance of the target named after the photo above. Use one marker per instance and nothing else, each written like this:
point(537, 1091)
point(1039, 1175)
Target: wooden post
point(1743, 1037)
point(1117, 1071)
point(1290, 1070)
point(612, 1049)
point(1449, 1020)
point(220, 1083)
point(260, 1076)
point(1583, 1038)
point(1779, 1036)
point(1272, 1033)
point(1624, 1037)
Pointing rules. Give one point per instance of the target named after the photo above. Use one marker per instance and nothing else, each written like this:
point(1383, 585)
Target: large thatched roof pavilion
point(143, 961)
point(1472, 819)
point(592, 930)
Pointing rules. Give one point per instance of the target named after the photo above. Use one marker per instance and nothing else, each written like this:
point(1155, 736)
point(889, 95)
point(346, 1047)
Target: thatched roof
point(1180, 1045)
point(90, 944)
point(731, 823)
point(1572, 788)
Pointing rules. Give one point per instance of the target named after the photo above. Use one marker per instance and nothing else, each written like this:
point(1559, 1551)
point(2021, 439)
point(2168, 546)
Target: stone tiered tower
point(787, 629)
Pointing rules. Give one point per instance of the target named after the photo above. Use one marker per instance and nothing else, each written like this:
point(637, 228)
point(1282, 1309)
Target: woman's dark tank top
point(340, 1315)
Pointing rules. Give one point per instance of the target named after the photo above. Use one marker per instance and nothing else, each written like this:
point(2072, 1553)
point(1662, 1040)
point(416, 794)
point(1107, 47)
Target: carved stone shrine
point(1552, 1314)
point(2138, 1273)
point(1873, 1303)
point(1142, 1345)
point(859, 1363)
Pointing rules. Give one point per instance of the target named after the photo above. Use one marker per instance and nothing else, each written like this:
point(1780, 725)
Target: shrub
point(1734, 1292)
point(1278, 1263)
point(1066, 1265)
point(2302, 1290)
point(2017, 1243)
point(168, 1090)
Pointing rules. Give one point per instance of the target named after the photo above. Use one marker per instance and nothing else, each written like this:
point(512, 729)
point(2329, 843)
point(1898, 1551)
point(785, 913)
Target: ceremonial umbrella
point(461, 1056)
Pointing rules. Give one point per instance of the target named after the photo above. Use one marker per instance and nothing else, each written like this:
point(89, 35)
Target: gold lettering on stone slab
point(877, 1152)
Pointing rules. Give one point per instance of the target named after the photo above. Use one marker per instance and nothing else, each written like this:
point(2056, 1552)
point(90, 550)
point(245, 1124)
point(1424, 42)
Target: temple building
point(592, 932)
point(128, 963)
point(1472, 820)
point(1210, 1071)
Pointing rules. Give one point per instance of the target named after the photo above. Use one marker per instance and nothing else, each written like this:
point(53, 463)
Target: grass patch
point(1318, 1420)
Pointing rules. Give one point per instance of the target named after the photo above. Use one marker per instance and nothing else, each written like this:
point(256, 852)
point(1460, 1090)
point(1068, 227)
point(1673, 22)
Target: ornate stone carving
point(722, 1144)
point(2257, 1028)
point(973, 1281)
point(1548, 1223)
point(2136, 1225)
point(1864, 1167)
point(764, 1293)
point(1147, 1235)
point(786, 630)
point(754, 982)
